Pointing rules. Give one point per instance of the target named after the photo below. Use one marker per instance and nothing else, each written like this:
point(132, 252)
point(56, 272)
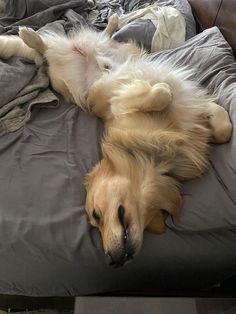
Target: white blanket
point(169, 22)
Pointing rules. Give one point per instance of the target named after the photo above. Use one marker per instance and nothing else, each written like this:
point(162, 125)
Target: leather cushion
point(220, 13)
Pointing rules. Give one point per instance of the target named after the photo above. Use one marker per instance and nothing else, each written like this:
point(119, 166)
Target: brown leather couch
point(220, 13)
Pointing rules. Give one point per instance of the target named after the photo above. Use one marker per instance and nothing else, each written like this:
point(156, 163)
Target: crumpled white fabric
point(169, 22)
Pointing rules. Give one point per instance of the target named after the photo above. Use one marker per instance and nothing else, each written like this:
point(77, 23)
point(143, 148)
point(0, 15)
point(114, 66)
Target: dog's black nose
point(119, 260)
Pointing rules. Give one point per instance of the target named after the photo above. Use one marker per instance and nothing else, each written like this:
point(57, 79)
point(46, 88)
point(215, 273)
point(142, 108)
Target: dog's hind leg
point(219, 123)
point(13, 46)
point(140, 96)
point(32, 39)
point(112, 25)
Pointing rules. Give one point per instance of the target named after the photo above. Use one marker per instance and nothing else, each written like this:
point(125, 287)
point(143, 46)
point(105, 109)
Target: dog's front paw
point(97, 101)
point(140, 96)
point(161, 93)
point(220, 123)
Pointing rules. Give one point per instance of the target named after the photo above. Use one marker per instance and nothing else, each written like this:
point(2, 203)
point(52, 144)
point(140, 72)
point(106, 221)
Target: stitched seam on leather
point(218, 11)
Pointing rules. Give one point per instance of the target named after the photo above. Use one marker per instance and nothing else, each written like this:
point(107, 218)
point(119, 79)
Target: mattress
point(47, 247)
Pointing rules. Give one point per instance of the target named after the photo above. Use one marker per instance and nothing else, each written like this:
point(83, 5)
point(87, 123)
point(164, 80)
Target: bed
point(47, 247)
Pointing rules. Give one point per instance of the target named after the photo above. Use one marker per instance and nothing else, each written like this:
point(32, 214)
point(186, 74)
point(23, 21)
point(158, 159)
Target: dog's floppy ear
point(157, 224)
point(169, 202)
point(166, 198)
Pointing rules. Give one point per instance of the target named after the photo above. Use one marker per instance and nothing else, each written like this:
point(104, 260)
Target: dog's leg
point(98, 98)
point(219, 122)
point(140, 96)
point(13, 46)
point(32, 39)
point(112, 25)
point(107, 99)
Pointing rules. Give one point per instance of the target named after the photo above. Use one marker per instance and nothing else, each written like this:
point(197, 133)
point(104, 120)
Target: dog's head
point(124, 197)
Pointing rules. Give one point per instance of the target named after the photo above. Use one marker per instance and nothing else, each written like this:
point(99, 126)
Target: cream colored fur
point(13, 46)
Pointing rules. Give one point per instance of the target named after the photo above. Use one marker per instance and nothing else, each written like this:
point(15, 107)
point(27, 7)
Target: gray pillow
point(210, 201)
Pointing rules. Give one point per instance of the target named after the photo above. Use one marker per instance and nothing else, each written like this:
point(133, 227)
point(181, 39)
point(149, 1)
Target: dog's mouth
point(126, 254)
point(120, 262)
point(118, 259)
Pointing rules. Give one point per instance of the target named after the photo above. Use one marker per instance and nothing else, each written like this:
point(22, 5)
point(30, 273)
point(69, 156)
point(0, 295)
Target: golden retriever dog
point(158, 124)
point(157, 127)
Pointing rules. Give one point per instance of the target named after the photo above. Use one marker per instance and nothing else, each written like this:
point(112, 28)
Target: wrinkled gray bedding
point(47, 246)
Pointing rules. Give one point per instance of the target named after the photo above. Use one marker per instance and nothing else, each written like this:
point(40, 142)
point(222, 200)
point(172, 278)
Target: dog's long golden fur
point(157, 127)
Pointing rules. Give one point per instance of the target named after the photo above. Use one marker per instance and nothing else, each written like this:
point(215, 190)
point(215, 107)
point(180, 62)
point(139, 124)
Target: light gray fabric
point(23, 86)
point(37, 13)
point(47, 246)
point(2, 7)
point(132, 30)
point(16, 112)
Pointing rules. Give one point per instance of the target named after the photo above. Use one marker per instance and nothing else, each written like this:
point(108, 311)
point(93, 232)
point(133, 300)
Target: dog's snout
point(124, 252)
point(119, 259)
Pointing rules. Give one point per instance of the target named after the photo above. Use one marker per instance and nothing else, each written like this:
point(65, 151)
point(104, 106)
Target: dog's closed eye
point(96, 217)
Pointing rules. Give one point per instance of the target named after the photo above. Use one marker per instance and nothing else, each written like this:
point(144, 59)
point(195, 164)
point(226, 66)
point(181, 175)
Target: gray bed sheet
point(47, 247)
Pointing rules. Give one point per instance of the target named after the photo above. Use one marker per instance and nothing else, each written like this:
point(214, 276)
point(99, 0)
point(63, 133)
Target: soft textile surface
point(168, 23)
point(23, 86)
point(47, 246)
point(139, 26)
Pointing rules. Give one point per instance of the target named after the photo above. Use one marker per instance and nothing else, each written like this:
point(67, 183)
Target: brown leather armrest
point(221, 13)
